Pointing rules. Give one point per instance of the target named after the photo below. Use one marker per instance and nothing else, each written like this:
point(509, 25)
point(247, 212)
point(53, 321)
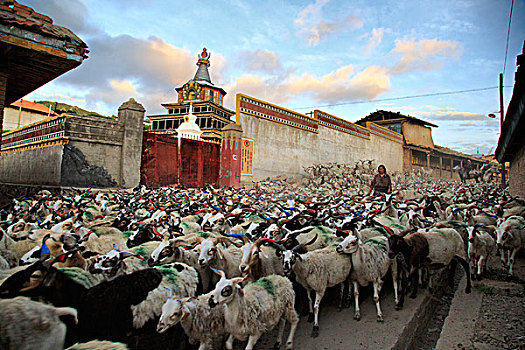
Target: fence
point(199, 161)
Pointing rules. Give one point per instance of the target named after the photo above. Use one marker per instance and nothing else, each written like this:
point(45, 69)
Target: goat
point(370, 263)
point(201, 323)
point(432, 249)
point(511, 237)
point(315, 270)
point(258, 261)
point(28, 324)
point(480, 246)
point(212, 255)
point(271, 298)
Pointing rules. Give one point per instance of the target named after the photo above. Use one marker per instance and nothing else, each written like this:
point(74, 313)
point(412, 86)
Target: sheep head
point(173, 312)
point(226, 289)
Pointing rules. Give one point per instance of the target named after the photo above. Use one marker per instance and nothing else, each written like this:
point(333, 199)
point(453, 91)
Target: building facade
point(511, 144)
point(23, 112)
point(207, 103)
point(419, 150)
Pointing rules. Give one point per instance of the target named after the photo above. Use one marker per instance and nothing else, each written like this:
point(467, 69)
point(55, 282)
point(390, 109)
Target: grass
point(485, 289)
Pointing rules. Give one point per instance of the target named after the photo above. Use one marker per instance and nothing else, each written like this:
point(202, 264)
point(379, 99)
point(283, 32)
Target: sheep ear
point(50, 278)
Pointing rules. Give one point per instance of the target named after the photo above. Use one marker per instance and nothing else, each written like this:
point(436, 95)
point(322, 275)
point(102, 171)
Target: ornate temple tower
point(207, 100)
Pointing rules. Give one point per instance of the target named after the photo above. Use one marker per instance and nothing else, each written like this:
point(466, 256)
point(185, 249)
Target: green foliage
point(60, 108)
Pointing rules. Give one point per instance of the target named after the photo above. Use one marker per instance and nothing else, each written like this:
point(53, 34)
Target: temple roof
point(203, 63)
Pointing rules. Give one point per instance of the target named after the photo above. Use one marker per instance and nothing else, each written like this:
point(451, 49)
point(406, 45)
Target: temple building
point(207, 104)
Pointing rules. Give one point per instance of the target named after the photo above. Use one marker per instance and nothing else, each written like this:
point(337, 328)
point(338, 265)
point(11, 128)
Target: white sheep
point(211, 254)
point(256, 309)
point(511, 238)
point(201, 323)
point(316, 270)
point(98, 345)
point(370, 263)
point(27, 324)
point(480, 246)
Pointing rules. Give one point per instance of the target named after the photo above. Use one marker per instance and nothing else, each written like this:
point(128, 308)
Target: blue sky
point(337, 56)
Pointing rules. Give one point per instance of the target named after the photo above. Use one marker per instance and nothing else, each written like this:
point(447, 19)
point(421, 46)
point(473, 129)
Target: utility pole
point(501, 111)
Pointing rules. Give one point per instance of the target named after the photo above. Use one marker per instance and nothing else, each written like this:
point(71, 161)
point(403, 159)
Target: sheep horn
point(185, 300)
point(238, 280)
point(125, 255)
point(218, 272)
point(406, 232)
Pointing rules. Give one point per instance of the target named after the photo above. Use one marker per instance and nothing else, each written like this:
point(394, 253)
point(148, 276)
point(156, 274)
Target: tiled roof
point(13, 14)
point(33, 106)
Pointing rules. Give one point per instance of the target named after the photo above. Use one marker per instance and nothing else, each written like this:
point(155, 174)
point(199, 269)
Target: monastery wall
point(285, 141)
point(79, 151)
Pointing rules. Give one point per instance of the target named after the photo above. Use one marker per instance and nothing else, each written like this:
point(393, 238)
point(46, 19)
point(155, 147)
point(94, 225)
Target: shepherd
point(381, 182)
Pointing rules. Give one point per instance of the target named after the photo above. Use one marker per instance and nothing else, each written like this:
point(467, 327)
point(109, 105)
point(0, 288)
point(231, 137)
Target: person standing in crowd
point(381, 182)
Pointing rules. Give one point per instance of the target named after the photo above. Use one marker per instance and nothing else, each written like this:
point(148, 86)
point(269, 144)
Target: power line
point(508, 35)
point(401, 98)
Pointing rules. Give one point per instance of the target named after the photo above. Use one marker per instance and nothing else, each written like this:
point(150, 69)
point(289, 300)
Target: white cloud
point(425, 54)
point(375, 39)
point(314, 29)
point(260, 60)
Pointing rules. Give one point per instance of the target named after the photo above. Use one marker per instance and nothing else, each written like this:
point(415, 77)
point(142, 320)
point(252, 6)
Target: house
point(511, 143)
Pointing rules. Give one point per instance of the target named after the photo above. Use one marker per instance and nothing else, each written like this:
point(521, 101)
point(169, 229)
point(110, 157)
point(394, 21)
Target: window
point(169, 124)
point(211, 95)
point(162, 125)
point(155, 125)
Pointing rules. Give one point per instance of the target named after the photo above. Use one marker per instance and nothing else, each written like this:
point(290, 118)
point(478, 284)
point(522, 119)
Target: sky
point(345, 57)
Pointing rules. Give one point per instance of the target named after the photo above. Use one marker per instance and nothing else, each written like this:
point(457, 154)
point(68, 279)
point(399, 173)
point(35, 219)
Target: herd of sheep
point(115, 269)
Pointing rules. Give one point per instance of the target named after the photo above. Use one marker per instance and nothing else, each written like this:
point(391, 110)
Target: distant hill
point(60, 107)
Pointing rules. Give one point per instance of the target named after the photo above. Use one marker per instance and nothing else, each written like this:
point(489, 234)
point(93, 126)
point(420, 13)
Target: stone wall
point(36, 166)
point(517, 173)
point(79, 151)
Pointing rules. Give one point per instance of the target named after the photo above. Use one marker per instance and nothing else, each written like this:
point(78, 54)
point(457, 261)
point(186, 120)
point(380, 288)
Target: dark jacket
point(382, 183)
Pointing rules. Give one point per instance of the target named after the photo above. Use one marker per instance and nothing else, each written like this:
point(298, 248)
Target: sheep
point(201, 323)
point(212, 255)
point(181, 278)
point(17, 248)
point(97, 309)
point(510, 237)
point(258, 261)
point(256, 309)
point(480, 246)
point(432, 249)
point(315, 270)
point(98, 345)
point(178, 250)
point(103, 244)
point(27, 324)
point(370, 263)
